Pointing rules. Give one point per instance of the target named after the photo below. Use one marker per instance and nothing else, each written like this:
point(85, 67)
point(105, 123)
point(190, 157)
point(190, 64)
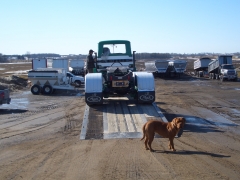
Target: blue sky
point(162, 26)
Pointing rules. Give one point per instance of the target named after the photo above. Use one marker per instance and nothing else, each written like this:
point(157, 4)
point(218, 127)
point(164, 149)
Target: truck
point(77, 66)
point(47, 80)
point(200, 66)
point(4, 96)
point(157, 67)
point(222, 68)
point(115, 75)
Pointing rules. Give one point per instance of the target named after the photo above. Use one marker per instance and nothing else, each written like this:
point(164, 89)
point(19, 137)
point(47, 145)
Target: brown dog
point(166, 130)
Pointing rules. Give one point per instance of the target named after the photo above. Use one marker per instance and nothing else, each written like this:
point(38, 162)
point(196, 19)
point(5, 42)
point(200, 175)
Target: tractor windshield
point(114, 49)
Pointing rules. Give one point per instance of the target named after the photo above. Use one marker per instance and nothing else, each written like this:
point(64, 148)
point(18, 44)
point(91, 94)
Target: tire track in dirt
point(53, 116)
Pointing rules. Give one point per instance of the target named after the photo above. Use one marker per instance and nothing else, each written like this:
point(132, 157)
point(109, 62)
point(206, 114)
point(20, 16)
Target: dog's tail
point(143, 129)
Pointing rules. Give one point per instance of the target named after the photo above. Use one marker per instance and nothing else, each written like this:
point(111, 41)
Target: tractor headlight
point(225, 73)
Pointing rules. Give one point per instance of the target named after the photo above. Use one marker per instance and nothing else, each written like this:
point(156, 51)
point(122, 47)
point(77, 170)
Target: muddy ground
point(39, 136)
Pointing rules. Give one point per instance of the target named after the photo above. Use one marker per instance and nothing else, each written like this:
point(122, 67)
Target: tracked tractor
point(115, 75)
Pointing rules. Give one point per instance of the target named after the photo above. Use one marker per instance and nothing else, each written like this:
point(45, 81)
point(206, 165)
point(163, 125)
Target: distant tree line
point(4, 58)
point(42, 55)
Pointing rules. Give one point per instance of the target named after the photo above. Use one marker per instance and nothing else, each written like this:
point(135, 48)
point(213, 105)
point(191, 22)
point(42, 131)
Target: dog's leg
point(171, 144)
point(146, 141)
point(150, 140)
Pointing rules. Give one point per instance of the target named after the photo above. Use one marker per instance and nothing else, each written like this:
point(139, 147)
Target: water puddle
point(20, 103)
point(215, 119)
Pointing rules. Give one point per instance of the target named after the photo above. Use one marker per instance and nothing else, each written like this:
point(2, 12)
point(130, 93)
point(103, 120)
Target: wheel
point(78, 83)
point(214, 76)
point(35, 89)
point(47, 89)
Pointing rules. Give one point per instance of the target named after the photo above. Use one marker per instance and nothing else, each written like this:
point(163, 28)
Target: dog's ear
point(183, 120)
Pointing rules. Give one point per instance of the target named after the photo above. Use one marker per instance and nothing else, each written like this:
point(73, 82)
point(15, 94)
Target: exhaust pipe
point(134, 60)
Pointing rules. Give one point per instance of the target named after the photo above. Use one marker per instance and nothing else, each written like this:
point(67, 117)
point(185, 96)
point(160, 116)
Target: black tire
point(214, 76)
point(78, 83)
point(47, 89)
point(35, 89)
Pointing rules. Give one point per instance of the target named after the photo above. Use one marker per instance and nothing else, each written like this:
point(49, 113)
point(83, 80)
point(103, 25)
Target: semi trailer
point(200, 66)
point(157, 67)
point(61, 63)
point(176, 67)
point(166, 68)
point(77, 66)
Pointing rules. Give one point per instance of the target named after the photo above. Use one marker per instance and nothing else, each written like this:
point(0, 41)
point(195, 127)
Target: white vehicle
point(77, 66)
point(222, 68)
point(78, 80)
point(46, 80)
point(200, 66)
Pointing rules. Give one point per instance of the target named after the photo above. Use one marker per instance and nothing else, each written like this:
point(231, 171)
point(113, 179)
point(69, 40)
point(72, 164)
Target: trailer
point(115, 75)
point(77, 66)
point(61, 63)
point(39, 63)
point(157, 67)
point(222, 69)
point(47, 80)
point(200, 66)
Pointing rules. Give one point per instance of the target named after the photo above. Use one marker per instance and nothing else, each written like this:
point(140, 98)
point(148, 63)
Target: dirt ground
point(39, 135)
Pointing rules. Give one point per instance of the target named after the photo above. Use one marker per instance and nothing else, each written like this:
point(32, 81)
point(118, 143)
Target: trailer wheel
point(35, 89)
point(47, 89)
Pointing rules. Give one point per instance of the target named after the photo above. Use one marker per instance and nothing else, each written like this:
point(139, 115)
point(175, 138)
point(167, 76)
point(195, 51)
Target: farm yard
point(40, 135)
